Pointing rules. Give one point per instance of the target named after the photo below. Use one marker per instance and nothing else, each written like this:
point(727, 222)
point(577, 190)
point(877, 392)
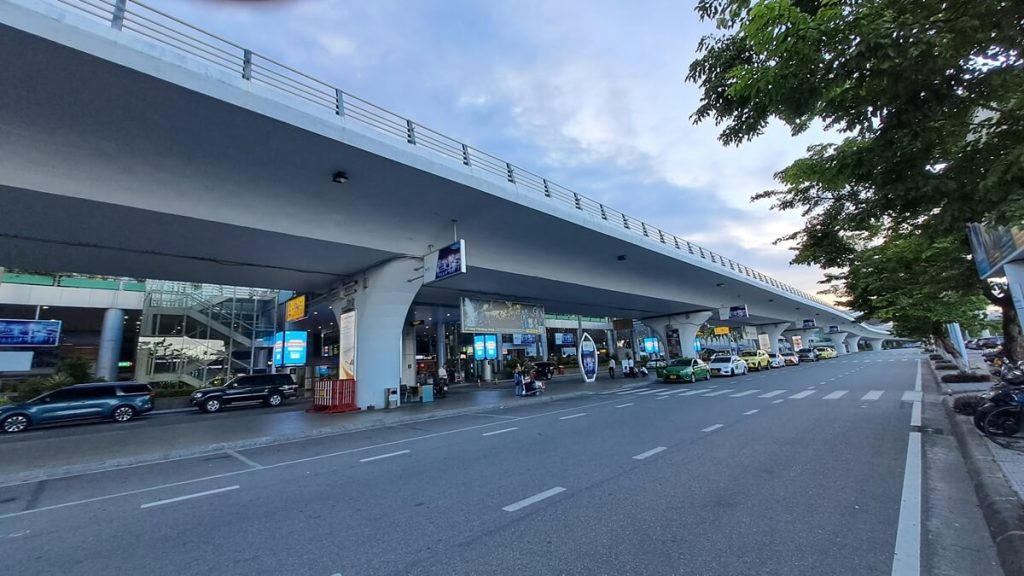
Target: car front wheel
point(275, 399)
point(14, 423)
point(123, 413)
point(211, 405)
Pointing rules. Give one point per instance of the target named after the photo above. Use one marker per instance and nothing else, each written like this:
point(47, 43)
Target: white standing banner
point(347, 346)
point(588, 358)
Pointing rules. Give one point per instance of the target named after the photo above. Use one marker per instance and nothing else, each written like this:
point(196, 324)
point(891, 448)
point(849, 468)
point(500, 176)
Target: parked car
point(790, 358)
point(686, 369)
point(989, 342)
point(756, 359)
point(270, 389)
point(825, 352)
point(727, 365)
point(544, 370)
point(776, 360)
point(118, 401)
point(807, 355)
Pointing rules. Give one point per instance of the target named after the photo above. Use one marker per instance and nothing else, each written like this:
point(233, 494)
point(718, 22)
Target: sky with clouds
point(588, 93)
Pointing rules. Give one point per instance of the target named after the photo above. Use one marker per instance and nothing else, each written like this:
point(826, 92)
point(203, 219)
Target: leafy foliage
point(927, 95)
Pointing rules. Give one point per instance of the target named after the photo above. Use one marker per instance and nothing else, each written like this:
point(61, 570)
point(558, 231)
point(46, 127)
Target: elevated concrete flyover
point(125, 153)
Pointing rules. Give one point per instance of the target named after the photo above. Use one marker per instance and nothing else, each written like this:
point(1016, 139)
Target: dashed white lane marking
point(649, 453)
point(780, 401)
point(624, 405)
point(633, 391)
point(836, 395)
point(741, 394)
point(692, 392)
point(749, 412)
point(189, 496)
point(911, 396)
point(400, 452)
point(713, 428)
point(533, 499)
point(915, 414)
point(499, 432)
point(873, 395)
point(573, 416)
point(772, 394)
point(718, 392)
point(803, 394)
point(662, 398)
point(907, 558)
point(650, 391)
point(669, 391)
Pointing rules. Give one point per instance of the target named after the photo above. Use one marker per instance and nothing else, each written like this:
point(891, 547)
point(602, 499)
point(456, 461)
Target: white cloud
point(336, 44)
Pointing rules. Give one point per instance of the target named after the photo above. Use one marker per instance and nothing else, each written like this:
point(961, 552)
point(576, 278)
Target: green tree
point(926, 95)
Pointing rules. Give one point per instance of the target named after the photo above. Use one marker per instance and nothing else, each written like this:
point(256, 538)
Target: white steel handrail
point(139, 18)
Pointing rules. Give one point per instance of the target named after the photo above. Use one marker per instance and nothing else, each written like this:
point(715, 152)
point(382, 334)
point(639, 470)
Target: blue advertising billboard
point(30, 332)
point(290, 348)
point(491, 345)
point(651, 345)
point(565, 338)
point(479, 348)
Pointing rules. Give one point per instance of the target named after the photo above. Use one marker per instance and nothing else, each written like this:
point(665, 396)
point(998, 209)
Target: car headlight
point(197, 394)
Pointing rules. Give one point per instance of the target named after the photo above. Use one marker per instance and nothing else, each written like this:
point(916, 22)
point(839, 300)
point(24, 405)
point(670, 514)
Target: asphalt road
point(795, 471)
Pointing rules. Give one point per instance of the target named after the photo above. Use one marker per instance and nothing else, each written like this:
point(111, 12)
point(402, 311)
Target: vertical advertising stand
point(588, 358)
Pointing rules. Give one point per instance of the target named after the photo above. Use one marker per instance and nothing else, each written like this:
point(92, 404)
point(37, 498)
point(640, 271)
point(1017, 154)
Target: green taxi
point(684, 370)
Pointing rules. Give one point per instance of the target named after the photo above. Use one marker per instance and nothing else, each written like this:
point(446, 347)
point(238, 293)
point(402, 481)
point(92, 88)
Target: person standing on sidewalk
point(611, 367)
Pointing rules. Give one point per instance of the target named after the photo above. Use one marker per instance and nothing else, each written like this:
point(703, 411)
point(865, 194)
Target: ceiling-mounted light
point(339, 177)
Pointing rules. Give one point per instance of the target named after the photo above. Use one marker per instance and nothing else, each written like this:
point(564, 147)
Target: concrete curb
point(1003, 509)
point(386, 418)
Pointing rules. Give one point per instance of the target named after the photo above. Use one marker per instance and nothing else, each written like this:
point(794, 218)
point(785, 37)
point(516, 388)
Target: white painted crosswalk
point(871, 395)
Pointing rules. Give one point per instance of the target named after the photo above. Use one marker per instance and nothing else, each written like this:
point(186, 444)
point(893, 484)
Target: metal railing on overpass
point(309, 92)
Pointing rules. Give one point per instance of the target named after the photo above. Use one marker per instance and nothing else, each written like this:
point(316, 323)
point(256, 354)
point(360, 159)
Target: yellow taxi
point(756, 359)
point(825, 352)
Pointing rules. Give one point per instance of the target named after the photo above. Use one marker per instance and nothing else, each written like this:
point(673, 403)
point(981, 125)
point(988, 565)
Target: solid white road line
point(624, 405)
point(907, 558)
point(772, 394)
point(692, 392)
point(384, 456)
point(873, 395)
point(836, 395)
point(803, 394)
point(741, 394)
point(189, 496)
point(713, 428)
point(533, 499)
point(717, 393)
point(915, 414)
point(911, 396)
point(749, 412)
point(649, 453)
point(573, 416)
point(242, 459)
point(917, 379)
point(499, 432)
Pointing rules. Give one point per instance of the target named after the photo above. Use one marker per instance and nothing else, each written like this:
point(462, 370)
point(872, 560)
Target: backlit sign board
point(295, 309)
point(30, 332)
point(445, 263)
point(290, 348)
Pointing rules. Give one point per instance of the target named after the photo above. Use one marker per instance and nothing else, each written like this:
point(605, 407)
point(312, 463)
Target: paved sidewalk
point(996, 467)
point(55, 452)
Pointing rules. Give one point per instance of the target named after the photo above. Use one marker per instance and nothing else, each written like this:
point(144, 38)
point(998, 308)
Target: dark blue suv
point(118, 401)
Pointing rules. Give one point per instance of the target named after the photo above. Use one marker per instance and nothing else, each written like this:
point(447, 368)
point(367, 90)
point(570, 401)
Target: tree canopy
point(922, 104)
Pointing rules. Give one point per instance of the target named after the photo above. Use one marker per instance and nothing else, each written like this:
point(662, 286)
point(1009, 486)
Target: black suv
point(270, 389)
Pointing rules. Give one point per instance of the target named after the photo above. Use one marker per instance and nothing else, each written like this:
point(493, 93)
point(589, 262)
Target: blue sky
point(590, 94)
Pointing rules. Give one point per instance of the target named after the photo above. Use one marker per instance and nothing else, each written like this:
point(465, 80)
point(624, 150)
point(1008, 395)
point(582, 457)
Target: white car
point(727, 365)
point(776, 360)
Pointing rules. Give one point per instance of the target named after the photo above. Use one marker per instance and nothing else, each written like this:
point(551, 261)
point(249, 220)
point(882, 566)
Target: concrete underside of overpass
point(120, 156)
point(109, 169)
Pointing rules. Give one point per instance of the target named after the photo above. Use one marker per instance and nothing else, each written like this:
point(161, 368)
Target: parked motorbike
point(441, 387)
point(1007, 393)
point(530, 386)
